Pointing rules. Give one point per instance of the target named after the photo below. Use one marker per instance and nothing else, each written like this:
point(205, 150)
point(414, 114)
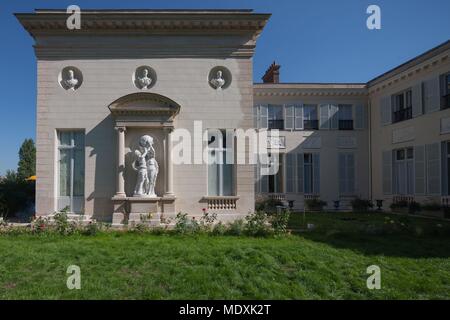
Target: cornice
point(306, 93)
point(145, 22)
point(411, 72)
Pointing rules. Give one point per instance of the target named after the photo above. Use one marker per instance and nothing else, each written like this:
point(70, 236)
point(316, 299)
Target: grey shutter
point(300, 182)
point(417, 100)
point(263, 116)
point(444, 166)
point(290, 172)
point(431, 99)
point(289, 117)
point(419, 170)
point(334, 116)
point(360, 117)
point(443, 91)
point(433, 169)
point(386, 110)
point(264, 183)
point(299, 117)
point(316, 173)
point(387, 172)
point(257, 177)
point(255, 116)
point(351, 173)
point(342, 175)
point(323, 115)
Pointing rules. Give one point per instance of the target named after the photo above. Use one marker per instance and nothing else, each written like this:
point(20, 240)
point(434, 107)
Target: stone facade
point(200, 66)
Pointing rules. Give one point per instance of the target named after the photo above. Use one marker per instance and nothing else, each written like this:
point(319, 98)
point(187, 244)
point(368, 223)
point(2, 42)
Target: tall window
point(71, 170)
point(275, 117)
point(220, 170)
point(404, 171)
point(402, 106)
point(346, 173)
point(446, 91)
point(308, 173)
point(276, 180)
point(448, 167)
point(345, 117)
point(310, 120)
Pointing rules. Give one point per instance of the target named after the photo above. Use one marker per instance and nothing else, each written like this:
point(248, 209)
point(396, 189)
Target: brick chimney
point(272, 74)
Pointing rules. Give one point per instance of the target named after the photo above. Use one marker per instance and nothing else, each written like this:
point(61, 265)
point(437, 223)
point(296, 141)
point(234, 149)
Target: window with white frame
point(404, 171)
point(345, 116)
point(275, 117)
point(310, 119)
point(402, 106)
point(71, 170)
point(220, 163)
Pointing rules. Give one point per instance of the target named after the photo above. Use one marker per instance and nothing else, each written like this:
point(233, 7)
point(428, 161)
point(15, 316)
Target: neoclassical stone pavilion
point(114, 96)
point(110, 95)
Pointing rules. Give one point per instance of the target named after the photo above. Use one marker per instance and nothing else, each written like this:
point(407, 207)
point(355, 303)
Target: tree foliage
point(27, 159)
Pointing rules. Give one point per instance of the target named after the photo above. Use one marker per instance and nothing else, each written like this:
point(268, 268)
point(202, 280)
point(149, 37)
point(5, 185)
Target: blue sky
point(314, 41)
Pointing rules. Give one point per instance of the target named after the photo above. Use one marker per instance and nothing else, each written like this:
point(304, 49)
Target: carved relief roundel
point(144, 77)
point(219, 78)
point(70, 78)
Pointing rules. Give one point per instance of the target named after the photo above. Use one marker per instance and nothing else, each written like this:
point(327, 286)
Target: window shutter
point(299, 117)
point(257, 177)
point(289, 117)
point(443, 91)
point(263, 116)
point(290, 172)
point(386, 110)
point(431, 99)
point(264, 183)
point(417, 100)
point(324, 118)
point(433, 169)
point(255, 116)
point(419, 170)
point(387, 172)
point(334, 116)
point(342, 175)
point(351, 173)
point(444, 166)
point(360, 117)
point(300, 182)
point(316, 173)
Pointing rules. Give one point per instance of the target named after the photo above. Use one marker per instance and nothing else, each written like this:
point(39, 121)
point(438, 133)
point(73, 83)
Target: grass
point(328, 262)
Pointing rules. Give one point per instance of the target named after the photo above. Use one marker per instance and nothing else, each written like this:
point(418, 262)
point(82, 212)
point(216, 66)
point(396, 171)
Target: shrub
point(432, 206)
point(268, 205)
point(16, 196)
point(446, 211)
point(414, 207)
point(207, 220)
point(91, 229)
point(219, 229)
point(399, 205)
point(280, 221)
point(315, 204)
point(361, 205)
point(40, 225)
point(257, 224)
point(62, 224)
point(235, 228)
point(184, 225)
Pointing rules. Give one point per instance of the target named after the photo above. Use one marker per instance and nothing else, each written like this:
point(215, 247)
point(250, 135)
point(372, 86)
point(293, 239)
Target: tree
point(27, 159)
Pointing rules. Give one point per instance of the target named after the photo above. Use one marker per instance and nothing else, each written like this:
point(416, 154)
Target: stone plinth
point(142, 210)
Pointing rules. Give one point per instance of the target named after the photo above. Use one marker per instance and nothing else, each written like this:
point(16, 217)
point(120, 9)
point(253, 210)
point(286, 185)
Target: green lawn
point(328, 262)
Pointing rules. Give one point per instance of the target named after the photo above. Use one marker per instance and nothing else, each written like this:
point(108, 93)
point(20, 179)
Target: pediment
point(144, 104)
